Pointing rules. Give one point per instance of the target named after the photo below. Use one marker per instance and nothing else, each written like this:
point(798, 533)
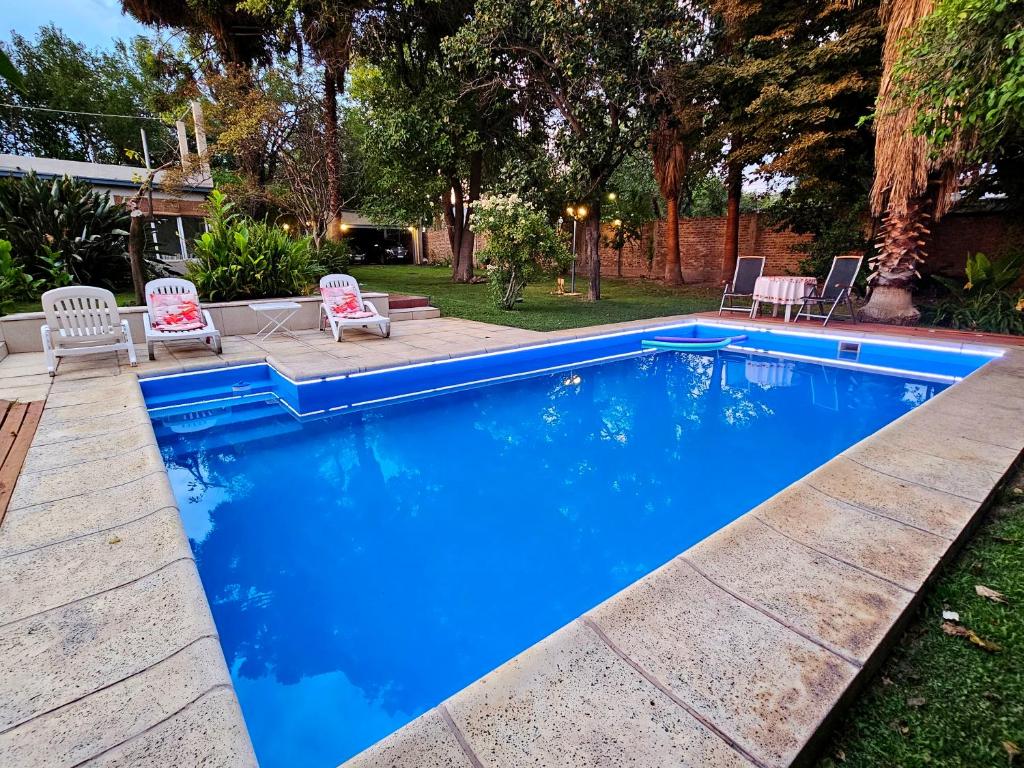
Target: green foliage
point(58, 73)
point(334, 257)
point(15, 283)
point(985, 302)
point(55, 268)
point(963, 68)
point(42, 217)
point(241, 258)
point(520, 246)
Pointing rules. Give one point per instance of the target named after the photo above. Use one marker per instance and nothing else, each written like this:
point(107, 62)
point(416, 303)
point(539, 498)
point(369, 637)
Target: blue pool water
point(365, 565)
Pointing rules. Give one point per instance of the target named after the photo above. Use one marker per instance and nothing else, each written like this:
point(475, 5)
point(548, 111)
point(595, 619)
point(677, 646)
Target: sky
point(95, 23)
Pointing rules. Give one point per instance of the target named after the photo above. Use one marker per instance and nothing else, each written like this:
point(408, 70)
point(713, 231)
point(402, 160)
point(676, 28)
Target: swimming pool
point(372, 543)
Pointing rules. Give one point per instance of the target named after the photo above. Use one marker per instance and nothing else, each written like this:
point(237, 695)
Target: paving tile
point(949, 436)
point(957, 477)
point(940, 513)
point(879, 545)
point(54, 430)
point(24, 394)
point(84, 728)
point(59, 656)
point(765, 686)
point(208, 732)
point(47, 578)
point(571, 701)
point(36, 526)
point(426, 742)
point(78, 479)
point(844, 608)
point(65, 393)
point(22, 380)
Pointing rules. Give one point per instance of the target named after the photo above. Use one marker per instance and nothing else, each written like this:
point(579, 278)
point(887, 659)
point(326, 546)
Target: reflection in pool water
point(364, 567)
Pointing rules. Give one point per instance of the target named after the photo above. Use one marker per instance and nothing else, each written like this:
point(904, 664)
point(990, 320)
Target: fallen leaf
point(840, 756)
point(114, 540)
point(887, 681)
point(916, 702)
point(991, 594)
point(1018, 491)
point(951, 616)
point(958, 631)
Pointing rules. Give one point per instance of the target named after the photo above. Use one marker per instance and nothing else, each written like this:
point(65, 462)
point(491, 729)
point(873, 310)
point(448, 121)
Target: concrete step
point(413, 313)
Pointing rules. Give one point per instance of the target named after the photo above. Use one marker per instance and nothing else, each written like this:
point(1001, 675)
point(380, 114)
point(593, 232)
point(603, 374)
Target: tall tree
point(671, 154)
point(792, 86)
point(912, 185)
point(592, 66)
point(59, 74)
point(429, 130)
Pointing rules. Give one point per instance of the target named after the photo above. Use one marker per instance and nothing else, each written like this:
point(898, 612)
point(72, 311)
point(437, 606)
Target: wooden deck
point(18, 426)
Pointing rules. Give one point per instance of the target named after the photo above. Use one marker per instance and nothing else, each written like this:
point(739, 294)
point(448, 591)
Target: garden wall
point(701, 242)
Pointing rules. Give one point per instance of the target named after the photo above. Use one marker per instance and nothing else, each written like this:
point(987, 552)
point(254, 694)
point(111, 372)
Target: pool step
point(413, 313)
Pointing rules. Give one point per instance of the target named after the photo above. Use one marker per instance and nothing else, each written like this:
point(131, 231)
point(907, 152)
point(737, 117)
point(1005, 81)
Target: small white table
point(273, 315)
point(783, 290)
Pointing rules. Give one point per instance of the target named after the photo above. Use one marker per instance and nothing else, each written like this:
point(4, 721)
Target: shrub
point(334, 257)
point(241, 258)
point(985, 302)
point(15, 283)
point(65, 216)
point(521, 245)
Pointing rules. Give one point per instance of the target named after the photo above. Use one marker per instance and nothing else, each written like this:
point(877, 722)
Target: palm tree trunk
point(673, 262)
point(901, 247)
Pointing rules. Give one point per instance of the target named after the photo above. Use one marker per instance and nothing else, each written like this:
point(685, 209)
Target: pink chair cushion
point(343, 302)
point(175, 312)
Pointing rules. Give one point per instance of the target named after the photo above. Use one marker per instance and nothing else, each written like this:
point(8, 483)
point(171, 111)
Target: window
point(173, 236)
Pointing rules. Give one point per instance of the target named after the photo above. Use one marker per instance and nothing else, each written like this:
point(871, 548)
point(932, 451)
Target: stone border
point(734, 653)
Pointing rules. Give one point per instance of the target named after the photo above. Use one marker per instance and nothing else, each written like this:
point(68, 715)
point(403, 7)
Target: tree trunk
point(901, 247)
point(734, 189)
point(593, 242)
point(464, 266)
point(136, 246)
point(673, 262)
point(331, 152)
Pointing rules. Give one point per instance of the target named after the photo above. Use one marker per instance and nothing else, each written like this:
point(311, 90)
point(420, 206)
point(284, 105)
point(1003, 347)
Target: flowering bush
point(521, 245)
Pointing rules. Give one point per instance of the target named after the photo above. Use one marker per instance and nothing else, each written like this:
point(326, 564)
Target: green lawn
point(941, 701)
point(541, 310)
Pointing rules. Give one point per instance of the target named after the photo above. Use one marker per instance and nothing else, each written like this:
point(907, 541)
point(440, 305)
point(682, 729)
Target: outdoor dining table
point(785, 290)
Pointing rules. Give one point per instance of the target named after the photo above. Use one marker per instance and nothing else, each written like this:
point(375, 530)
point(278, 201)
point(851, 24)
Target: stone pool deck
point(733, 654)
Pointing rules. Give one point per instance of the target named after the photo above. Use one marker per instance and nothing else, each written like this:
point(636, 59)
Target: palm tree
point(911, 185)
point(671, 156)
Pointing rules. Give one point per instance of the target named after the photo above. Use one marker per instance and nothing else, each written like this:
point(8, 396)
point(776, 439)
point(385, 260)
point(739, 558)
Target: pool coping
point(111, 654)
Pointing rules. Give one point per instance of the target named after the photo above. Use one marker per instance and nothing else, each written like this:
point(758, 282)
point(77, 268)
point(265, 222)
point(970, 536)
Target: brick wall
point(959, 234)
point(701, 242)
point(700, 249)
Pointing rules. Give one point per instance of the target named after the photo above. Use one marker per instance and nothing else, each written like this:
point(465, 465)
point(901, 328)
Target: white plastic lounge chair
point(837, 290)
point(748, 269)
point(170, 286)
point(82, 320)
point(339, 322)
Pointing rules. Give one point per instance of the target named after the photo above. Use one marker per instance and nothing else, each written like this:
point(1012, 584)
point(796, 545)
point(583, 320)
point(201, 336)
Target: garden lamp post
point(578, 213)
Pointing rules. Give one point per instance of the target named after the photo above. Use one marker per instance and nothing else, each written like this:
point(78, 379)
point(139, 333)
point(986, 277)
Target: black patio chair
point(748, 269)
point(837, 290)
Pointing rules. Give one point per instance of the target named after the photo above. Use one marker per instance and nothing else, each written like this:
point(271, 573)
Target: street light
point(578, 214)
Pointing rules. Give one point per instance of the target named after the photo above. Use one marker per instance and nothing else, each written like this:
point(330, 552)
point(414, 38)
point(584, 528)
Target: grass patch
point(541, 310)
point(34, 305)
point(940, 701)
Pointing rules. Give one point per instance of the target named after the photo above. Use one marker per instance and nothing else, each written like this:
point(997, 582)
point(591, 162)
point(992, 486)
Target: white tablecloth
point(783, 290)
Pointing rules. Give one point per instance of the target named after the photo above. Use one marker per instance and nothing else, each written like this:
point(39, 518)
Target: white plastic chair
point(208, 334)
point(83, 320)
point(338, 323)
